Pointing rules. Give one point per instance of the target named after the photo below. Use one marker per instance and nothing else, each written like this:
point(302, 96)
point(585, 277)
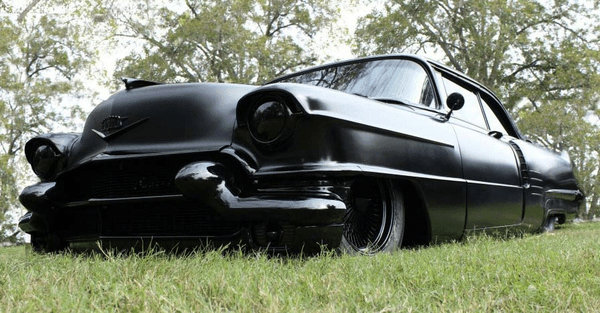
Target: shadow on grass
point(158, 250)
point(139, 248)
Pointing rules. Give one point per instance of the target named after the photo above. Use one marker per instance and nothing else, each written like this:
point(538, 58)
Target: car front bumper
point(207, 207)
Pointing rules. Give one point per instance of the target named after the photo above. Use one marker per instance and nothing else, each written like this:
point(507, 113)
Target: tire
point(47, 243)
point(550, 224)
point(374, 218)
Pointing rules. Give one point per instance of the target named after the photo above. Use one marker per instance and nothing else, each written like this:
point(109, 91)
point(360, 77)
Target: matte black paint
point(152, 147)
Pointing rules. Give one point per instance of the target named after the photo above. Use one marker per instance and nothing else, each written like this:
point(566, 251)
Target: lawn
point(555, 272)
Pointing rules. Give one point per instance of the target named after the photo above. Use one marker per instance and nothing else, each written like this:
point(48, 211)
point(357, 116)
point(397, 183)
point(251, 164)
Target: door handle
point(496, 134)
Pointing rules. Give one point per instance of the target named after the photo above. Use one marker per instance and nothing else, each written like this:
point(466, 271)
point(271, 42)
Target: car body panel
point(493, 180)
point(178, 118)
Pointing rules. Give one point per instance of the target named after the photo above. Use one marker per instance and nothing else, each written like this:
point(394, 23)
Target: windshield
point(395, 79)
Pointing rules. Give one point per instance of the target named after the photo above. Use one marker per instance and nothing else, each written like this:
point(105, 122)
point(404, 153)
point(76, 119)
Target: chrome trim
point(102, 201)
point(565, 194)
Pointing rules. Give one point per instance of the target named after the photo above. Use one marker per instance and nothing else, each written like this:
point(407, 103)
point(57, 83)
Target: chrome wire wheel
point(374, 218)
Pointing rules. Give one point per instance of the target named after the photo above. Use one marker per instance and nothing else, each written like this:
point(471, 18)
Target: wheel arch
point(417, 225)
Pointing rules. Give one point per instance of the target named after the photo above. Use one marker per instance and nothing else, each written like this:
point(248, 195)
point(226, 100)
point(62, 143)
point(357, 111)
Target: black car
point(367, 155)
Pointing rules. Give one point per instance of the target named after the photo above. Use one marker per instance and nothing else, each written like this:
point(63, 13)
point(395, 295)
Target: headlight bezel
point(44, 161)
point(52, 150)
point(269, 128)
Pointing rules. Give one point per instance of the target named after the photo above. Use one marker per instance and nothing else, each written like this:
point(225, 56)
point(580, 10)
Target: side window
point(491, 117)
point(427, 93)
point(471, 111)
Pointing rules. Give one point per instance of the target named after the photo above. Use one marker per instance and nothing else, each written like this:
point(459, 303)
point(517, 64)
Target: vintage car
point(366, 155)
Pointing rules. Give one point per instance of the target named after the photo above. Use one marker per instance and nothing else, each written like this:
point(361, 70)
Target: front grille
point(122, 178)
point(148, 219)
point(164, 220)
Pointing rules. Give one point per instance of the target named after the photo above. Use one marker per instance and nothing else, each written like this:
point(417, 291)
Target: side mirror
point(455, 101)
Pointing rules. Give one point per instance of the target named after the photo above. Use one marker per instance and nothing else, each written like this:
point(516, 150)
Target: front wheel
point(374, 218)
point(47, 243)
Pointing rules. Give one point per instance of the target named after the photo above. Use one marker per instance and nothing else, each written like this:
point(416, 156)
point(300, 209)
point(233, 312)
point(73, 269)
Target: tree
point(541, 58)
point(240, 41)
point(41, 56)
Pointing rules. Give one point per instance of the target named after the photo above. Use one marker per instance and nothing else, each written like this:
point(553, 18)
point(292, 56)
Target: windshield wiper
point(386, 100)
point(390, 100)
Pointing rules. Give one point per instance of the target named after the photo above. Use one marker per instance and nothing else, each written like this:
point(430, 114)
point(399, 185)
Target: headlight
point(44, 161)
point(267, 120)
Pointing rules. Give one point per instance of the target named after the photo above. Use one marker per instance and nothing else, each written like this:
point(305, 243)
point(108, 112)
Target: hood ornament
point(113, 126)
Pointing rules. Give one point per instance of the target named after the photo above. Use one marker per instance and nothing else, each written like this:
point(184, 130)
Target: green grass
point(545, 272)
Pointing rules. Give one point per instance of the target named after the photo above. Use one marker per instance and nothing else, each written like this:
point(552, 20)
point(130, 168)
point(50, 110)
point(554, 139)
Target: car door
point(490, 166)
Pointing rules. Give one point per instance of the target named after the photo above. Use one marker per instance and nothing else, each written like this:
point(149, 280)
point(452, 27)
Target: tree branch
point(27, 10)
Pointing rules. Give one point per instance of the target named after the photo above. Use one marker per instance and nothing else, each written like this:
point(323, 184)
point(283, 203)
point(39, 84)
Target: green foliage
point(544, 273)
point(8, 185)
point(239, 41)
point(40, 57)
point(520, 48)
point(541, 57)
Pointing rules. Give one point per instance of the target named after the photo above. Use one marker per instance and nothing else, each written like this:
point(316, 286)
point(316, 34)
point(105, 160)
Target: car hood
point(161, 119)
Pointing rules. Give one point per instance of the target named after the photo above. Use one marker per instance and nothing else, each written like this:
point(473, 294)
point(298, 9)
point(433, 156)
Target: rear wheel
point(374, 218)
point(550, 224)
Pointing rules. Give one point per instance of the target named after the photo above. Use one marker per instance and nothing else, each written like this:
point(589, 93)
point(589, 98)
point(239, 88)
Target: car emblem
point(112, 122)
point(113, 126)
